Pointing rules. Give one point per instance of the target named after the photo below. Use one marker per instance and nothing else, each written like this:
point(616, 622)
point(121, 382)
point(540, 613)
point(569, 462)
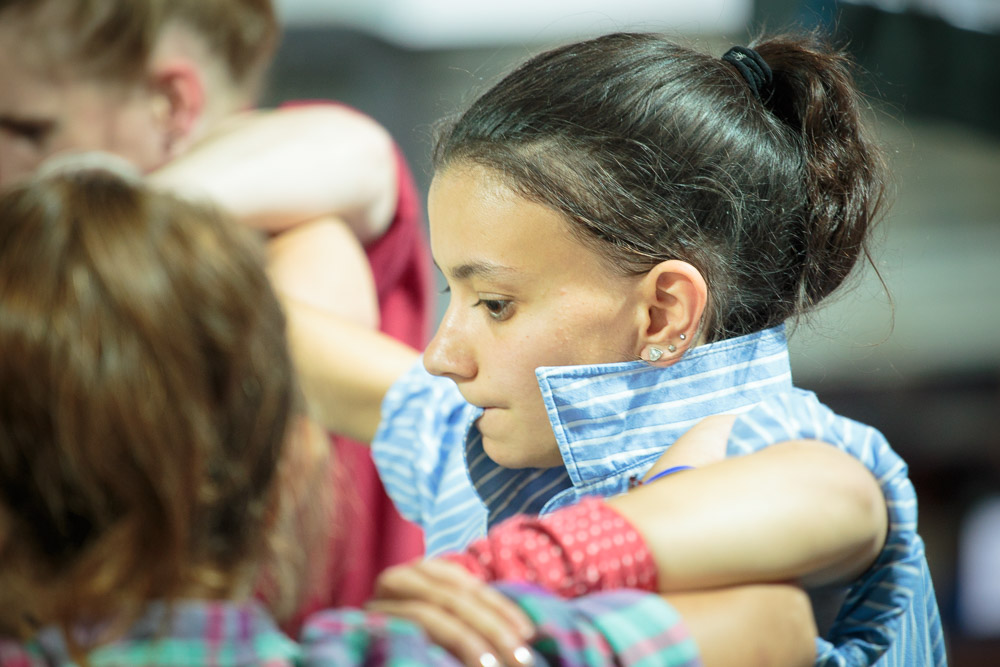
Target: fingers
point(474, 622)
point(445, 630)
point(443, 571)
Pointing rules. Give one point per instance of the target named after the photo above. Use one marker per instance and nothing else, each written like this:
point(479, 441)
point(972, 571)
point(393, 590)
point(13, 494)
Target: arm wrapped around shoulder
point(574, 551)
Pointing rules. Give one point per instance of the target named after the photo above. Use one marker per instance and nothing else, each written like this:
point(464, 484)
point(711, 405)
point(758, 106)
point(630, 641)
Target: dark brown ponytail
point(815, 94)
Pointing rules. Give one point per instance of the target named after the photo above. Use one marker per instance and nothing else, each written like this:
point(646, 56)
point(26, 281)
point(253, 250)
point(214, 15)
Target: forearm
point(322, 264)
point(798, 510)
point(345, 369)
point(274, 170)
point(768, 624)
point(345, 366)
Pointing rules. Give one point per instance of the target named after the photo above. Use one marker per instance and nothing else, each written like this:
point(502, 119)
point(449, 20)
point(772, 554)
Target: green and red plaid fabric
point(614, 628)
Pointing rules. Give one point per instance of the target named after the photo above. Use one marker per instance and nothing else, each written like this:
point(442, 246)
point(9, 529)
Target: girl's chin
point(508, 455)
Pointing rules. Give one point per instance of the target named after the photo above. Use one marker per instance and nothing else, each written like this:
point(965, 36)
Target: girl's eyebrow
point(481, 269)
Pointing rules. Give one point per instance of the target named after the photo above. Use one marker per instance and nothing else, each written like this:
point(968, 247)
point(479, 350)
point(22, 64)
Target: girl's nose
point(450, 352)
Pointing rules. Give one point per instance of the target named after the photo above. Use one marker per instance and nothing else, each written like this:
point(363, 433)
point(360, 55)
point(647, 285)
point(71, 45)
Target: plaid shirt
point(617, 628)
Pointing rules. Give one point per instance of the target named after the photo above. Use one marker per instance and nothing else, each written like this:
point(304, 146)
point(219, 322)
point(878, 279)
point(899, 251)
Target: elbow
point(384, 189)
point(374, 178)
point(865, 518)
point(872, 514)
point(856, 511)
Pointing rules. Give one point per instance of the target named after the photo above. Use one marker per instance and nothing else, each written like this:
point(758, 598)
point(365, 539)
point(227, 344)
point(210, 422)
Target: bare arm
point(345, 369)
point(801, 510)
point(276, 169)
point(322, 180)
point(797, 510)
point(322, 264)
point(344, 365)
point(750, 626)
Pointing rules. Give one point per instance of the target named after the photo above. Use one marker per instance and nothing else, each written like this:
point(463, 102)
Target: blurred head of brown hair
point(113, 40)
point(147, 393)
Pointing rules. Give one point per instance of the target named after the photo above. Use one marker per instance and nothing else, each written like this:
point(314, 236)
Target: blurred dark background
point(922, 361)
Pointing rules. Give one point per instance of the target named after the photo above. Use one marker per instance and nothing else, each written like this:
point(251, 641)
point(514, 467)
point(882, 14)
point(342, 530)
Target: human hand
point(471, 620)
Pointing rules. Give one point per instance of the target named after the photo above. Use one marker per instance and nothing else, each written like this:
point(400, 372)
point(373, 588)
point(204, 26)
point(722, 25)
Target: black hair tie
point(751, 67)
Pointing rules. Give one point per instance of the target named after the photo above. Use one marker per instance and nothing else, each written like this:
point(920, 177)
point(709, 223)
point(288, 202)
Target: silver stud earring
point(682, 336)
point(655, 353)
point(671, 348)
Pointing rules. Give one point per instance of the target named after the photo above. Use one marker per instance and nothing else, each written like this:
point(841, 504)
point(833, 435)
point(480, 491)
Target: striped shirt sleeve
point(422, 420)
point(890, 601)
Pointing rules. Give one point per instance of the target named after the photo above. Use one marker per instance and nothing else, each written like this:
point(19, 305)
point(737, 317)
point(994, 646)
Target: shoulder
point(797, 415)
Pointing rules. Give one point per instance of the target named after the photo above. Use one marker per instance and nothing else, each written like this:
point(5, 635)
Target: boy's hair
point(113, 40)
point(654, 151)
point(147, 391)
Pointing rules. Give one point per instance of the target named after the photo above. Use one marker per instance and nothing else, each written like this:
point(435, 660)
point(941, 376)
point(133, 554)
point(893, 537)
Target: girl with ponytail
point(625, 226)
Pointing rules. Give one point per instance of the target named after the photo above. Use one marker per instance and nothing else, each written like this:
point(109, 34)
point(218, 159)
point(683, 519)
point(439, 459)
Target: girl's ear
point(178, 91)
point(673, 296)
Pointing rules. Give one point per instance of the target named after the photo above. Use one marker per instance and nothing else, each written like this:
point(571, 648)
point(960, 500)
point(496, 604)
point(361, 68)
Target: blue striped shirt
point(612, 422)
point(890, 615)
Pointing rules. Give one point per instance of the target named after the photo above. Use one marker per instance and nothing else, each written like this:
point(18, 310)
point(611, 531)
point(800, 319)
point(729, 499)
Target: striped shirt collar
point(612, 421)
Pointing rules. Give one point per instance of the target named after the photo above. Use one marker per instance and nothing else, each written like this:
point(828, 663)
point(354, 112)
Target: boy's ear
point(179, 100)
point(674, 296)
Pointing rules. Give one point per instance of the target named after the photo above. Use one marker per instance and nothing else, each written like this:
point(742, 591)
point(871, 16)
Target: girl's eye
point(498, 309)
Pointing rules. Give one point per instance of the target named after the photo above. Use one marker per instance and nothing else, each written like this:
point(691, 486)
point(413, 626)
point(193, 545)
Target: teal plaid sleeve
point(15, 654)
point(614, 628)
point(196, 634)
point(610, 628)
point(353, 637)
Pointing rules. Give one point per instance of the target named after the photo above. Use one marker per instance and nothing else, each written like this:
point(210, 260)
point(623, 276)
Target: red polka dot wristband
point(576, 550)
